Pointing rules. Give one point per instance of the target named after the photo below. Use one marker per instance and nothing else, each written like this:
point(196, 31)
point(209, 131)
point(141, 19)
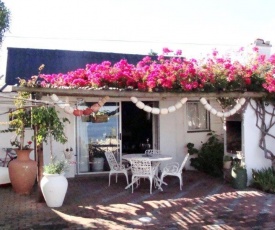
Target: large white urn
point(54, 188)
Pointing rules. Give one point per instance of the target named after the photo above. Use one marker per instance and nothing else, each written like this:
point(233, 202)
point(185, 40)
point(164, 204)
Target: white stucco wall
point(60, 148)
point(254, 156)
point(173, 132)
point(7, 137)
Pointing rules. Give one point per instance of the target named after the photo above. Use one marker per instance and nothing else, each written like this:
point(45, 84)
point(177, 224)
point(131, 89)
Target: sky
point(138, 26)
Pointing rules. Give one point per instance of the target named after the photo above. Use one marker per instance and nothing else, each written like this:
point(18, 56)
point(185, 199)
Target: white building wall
point(7, 137)
point(254, 156)
point(173, 131)
point(58, 148)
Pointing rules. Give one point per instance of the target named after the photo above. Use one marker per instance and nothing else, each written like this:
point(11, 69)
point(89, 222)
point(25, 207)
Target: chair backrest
point(111, 159)
point(141, 167)
point(150, 152)
point(184, 162)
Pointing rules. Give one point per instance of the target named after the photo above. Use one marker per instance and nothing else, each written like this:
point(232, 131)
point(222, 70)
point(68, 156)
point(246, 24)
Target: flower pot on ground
point(54, 184)
point(239, 174)
point(98, 164)
point(227, 162)
point(22, 171)
point(239, 178)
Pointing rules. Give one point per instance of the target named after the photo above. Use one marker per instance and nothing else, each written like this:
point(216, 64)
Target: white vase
point(54, 188)
point(98, 164)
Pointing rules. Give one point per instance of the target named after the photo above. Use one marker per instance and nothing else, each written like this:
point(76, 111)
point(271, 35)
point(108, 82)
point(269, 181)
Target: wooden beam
point(134, 93)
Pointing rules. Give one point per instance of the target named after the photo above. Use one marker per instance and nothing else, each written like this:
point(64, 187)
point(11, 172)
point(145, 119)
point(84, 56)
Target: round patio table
point(156, 157)
point(153, 158)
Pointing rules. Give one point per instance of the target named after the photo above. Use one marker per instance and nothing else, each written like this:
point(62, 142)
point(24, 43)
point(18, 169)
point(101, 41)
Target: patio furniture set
point(145, 165)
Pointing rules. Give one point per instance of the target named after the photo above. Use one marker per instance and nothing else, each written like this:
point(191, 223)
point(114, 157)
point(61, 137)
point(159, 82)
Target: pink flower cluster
point(174, 73)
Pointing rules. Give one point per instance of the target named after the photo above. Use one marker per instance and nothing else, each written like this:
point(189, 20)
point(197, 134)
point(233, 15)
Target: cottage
point(131, 121)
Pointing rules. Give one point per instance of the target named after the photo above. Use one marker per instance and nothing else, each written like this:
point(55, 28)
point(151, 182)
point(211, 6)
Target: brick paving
point(204, 203)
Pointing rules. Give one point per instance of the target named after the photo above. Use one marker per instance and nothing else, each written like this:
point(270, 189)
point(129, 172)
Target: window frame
point(207, 114)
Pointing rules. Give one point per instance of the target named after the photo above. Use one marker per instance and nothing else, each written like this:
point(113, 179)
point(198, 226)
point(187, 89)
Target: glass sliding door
point(96, 134)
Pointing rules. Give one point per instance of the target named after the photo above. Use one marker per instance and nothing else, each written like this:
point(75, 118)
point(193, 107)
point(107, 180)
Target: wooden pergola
point(88, 92)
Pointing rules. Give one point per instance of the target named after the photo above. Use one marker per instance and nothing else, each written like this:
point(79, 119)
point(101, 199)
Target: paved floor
point(204, 203)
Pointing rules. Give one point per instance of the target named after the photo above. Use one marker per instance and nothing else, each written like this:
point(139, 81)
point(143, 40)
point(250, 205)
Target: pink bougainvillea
point(175, 73)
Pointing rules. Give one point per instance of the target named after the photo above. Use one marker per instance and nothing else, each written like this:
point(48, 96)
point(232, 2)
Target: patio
point(204, 203)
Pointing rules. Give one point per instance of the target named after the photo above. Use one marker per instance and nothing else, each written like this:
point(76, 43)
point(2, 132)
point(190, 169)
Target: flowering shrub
point(175, 73)
point(18, 144)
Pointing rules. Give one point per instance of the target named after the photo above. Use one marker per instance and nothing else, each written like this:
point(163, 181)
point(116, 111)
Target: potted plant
point(54, 184)
point(239, 172)
point(22, 183)
point(227, 161)
point(97, 158)
point(50, 127)
point(99, 117)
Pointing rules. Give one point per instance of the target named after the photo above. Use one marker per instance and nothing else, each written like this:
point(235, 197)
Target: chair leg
point(180, 178)
point(126, 174)
point(116, 177)
point(161, 179)
point(133, 184)
point(151, 182)
point(110, 178)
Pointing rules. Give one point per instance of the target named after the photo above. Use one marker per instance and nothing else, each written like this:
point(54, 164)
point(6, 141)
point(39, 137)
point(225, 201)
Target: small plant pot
point(239, 178)
point(227, 164)
point(98, 164)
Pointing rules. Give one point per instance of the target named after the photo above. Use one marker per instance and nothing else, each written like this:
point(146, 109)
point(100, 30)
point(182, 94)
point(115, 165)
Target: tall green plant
point(210, 156)
point(49, 125)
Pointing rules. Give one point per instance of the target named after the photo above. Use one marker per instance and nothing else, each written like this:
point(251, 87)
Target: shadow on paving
point(203, 203)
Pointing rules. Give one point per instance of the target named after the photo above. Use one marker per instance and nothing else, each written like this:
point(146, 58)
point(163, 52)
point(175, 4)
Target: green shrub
point(56, 167)
point(264, 179)
point(210, 156)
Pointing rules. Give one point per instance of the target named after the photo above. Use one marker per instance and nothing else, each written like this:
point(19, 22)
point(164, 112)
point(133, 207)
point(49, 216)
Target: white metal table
point(153, 158)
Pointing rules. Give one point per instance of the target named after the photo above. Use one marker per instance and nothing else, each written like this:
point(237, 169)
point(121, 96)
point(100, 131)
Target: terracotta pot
point(87, 111)
point(23, 172)
point(78, 112)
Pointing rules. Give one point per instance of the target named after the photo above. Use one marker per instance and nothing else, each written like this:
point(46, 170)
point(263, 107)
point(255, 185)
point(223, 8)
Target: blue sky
point(138, 26)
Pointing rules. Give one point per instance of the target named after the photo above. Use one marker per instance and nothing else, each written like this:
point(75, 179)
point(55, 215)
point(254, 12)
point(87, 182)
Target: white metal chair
point(174, 169)
point(142, 168)
point(115, 167)
point(150, 152)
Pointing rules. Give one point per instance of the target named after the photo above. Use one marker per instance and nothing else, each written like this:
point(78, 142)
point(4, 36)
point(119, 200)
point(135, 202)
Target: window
point(197, 117)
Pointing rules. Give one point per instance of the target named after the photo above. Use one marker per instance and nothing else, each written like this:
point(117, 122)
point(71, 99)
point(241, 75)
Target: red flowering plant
point(19, 145)
point(172, 72)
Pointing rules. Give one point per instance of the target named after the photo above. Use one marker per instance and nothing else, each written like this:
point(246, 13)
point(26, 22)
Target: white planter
point(54, 188)
point(4, 175)
point(98, 164)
